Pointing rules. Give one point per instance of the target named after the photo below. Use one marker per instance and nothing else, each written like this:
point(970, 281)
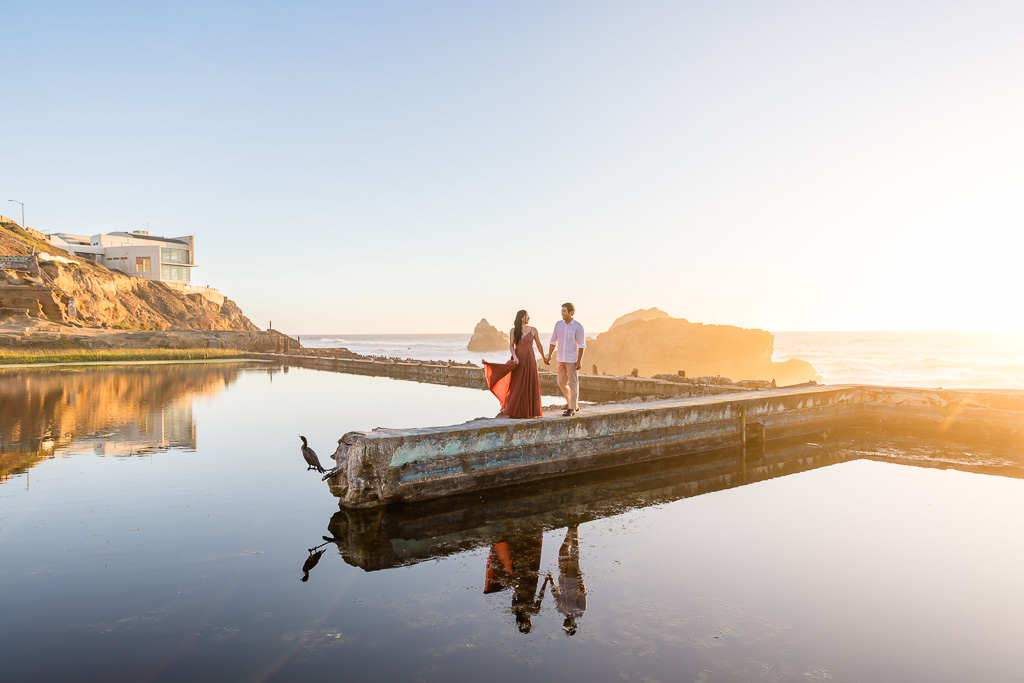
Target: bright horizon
point(387, 167)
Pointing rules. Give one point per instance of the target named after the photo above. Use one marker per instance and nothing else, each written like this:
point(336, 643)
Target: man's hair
point(569, 307)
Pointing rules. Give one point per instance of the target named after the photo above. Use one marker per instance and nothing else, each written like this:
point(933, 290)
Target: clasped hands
point(547, 360)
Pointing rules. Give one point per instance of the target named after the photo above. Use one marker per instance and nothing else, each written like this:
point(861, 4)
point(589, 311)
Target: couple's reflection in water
point(509, 523)
point(515, 565)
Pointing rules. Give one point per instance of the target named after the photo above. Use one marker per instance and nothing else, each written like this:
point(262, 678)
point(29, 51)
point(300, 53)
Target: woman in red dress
point(516, 383)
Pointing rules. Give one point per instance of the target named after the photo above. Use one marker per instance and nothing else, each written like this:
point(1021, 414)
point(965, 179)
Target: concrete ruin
point(383, 538)
point(592, 387)
point(406, 465)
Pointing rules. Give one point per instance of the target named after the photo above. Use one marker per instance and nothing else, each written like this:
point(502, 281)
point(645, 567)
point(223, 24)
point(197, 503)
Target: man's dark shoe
point(569, 413)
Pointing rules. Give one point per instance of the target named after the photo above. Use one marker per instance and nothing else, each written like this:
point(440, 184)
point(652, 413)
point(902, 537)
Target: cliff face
point(103, 297)
point(119, 300)
point(667, 345)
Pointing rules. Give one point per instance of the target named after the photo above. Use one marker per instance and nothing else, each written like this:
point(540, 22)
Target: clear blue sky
point(415, 166)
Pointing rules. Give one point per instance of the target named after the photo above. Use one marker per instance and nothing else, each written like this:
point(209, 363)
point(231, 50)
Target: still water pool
point(157, 523)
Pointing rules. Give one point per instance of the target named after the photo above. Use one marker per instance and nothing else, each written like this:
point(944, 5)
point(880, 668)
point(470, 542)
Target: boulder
point(668, 345)
point(486, 337)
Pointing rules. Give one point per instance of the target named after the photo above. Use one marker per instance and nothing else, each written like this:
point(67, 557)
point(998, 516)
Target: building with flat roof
point(167, 259)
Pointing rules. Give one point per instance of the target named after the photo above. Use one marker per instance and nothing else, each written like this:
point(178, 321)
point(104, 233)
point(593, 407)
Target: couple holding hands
point(516, 383)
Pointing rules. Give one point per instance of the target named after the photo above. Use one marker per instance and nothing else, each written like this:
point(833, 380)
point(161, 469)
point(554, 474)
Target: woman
point(516, 383)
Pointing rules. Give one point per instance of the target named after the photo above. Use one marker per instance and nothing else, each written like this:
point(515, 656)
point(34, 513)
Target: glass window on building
point(173, 255)
point(142, 264)
point(176, 273)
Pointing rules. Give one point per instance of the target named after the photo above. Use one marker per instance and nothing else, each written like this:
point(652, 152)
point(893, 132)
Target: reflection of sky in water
point(187, 565)
point(915, 567)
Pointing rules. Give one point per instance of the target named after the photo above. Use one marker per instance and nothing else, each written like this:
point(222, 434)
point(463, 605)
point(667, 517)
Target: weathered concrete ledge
point(392, 536)
point(394, 465)
point(382, 538)
point(991, 415)
point(592, 387)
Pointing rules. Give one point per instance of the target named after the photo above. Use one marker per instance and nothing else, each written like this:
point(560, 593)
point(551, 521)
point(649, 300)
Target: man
point(568, 337)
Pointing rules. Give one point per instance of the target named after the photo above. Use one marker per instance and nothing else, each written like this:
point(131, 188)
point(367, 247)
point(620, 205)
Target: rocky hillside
point(102, 297)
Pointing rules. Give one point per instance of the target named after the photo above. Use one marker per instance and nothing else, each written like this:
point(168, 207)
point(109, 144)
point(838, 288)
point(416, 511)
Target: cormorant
point(310, 455)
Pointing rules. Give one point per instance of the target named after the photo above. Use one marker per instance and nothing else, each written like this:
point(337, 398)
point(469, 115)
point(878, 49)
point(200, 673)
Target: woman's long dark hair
point(519, 325)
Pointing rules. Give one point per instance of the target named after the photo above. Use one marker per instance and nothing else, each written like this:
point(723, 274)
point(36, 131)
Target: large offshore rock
point(642, 314)
point(668, 345)
point(486, 337)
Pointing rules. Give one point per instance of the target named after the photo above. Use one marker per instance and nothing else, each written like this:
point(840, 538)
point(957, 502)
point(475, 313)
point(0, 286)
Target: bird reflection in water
point(570, 593)
point(314, 556)
point(515, 564)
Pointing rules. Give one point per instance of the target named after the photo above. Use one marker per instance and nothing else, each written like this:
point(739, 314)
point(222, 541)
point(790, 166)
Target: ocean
point(961, 360)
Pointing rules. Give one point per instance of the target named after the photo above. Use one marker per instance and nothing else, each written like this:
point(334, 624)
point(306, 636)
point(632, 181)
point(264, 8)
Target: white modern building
point(168, 259)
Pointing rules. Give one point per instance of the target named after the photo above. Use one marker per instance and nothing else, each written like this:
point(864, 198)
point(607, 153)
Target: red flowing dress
point(517, 385)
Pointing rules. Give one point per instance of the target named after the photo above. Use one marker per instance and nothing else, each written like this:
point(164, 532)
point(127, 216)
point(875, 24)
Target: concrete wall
point(123, 259)
point(406, 465)
point(592, 387)
point(386, 466)
point(382, 538)
point(375, 539)
point(985, 415)
point(412, 465)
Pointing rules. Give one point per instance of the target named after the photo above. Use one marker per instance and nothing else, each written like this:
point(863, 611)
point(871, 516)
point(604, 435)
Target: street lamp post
point(22, 210)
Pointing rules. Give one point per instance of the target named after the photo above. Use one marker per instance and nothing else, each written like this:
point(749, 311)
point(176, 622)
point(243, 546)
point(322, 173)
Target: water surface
point(157, 522)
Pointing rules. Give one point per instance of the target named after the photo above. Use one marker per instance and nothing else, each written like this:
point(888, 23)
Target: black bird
point(310, 455)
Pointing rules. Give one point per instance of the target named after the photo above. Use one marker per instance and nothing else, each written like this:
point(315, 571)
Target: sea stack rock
point(486, 337)
point(642, 314)
point(662, 344)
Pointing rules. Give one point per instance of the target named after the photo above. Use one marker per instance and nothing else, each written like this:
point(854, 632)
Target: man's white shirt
point(568, 337)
